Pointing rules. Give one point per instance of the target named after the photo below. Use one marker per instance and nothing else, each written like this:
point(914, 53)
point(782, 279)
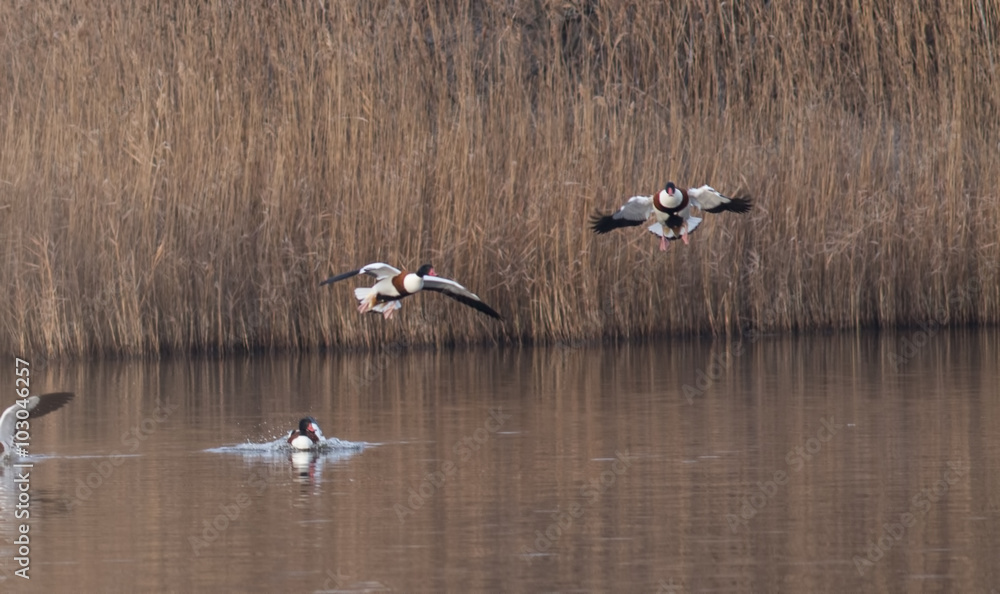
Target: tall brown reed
point(181, 177)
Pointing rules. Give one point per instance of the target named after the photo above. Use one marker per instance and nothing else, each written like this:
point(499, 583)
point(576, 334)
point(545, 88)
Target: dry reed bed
point(177, 178)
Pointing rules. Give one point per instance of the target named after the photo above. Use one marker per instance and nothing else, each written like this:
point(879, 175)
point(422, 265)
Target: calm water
point(822, 464)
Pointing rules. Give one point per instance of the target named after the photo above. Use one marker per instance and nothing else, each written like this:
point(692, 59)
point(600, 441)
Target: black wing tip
point(340, 277)
point(477, 305)
point(50, 402)
point(486, 309)
point(474, 303)
point(739, 205)
point(601, 224)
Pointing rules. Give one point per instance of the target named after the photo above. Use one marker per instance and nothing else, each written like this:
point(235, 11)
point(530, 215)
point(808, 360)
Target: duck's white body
point(386, 288)
point(302, 443)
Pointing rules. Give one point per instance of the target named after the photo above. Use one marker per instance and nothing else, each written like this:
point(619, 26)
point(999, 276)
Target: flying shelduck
point(672, 209)
point(392, 285)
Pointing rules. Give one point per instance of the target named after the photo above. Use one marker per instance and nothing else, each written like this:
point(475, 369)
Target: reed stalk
point(179, 177)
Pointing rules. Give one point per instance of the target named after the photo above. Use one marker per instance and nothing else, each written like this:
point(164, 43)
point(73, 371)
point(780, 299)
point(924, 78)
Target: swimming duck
point(392, 285)
point(672, 208)
point(37, 406)
point(307, 435)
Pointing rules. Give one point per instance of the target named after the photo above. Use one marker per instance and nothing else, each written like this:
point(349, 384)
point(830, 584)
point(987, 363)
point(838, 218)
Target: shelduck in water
point(391, 285)
point(672, 208)
point(36, 406)
point(307, 436)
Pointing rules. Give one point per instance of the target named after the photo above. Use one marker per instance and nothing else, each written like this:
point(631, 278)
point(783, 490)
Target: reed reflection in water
point(845, 463)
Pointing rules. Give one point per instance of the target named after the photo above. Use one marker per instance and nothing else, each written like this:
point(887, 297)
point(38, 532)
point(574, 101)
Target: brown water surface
point(852, 463)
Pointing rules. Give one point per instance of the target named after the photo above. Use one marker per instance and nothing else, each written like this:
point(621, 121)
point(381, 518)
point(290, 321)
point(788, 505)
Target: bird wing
point(380, 270)
point(709, 199)
point(7, 427)
point(377, 269)
point(635, 212)
point(37, 406)
point(458, 293)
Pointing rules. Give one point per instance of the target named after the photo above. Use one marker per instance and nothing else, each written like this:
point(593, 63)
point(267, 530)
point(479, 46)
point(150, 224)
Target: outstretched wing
point(37, 406)
point(635, 212)
point(42, 405)
point(458, 293)
point(377, 269)
point(708, 199)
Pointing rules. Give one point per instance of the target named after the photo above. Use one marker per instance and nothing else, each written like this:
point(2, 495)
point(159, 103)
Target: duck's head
point(426, 270)
point(307, 434)
point(308, 426)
